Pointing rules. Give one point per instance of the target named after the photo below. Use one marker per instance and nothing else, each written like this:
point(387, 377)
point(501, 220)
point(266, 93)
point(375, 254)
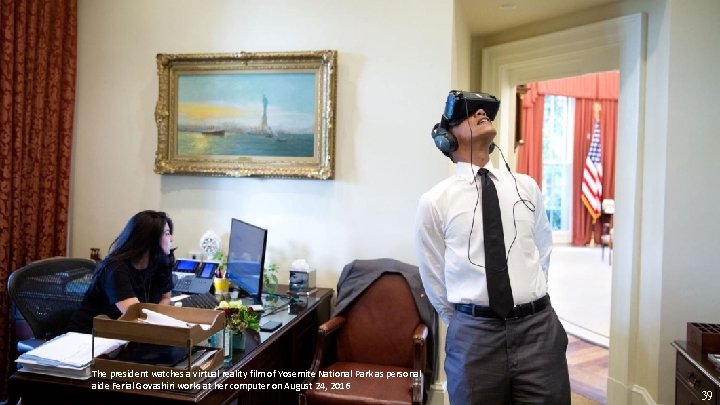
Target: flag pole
point(596, 116)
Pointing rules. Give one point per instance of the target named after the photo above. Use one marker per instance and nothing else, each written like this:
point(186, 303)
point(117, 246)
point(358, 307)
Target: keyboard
point(204, 301)
point(183, 284)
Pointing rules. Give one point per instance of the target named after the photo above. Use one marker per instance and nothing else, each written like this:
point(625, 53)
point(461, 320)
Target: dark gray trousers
point(519, 361)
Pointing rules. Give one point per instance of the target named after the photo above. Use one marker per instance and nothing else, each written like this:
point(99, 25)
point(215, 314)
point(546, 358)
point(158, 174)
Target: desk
point(290, 348)
point(697, 380)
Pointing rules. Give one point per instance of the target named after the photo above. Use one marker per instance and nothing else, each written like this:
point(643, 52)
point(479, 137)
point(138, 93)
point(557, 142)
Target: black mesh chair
point(47, 292)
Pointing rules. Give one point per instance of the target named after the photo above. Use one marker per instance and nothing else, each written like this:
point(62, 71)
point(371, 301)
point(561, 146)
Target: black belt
point(518, 311)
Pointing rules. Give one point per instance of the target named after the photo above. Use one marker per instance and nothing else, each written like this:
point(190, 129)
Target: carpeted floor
point(579, 286)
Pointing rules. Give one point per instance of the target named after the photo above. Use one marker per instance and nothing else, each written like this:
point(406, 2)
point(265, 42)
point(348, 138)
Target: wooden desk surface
point(289, 348)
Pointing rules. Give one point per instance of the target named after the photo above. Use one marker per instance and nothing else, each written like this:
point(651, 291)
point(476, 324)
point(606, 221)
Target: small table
point(697, 380)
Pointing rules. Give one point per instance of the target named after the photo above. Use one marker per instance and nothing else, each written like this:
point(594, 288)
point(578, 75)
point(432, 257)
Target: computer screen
point(208, 269)
point(246, 258)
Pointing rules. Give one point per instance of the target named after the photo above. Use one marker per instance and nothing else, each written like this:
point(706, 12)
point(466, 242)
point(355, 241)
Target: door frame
point(618, 43)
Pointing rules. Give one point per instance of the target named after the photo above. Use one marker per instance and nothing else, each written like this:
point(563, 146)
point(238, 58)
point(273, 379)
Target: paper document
point(78, 373)
point(157, 318)
point(71, 349)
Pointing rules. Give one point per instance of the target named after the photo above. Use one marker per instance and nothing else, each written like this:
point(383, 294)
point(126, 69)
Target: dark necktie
point(496, 271)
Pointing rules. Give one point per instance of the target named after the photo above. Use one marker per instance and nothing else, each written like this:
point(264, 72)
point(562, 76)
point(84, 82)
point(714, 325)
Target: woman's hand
point(165, 299)
point(125, 304)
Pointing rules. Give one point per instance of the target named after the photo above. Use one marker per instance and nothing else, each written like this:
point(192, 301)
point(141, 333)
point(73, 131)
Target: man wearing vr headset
point(496, 353)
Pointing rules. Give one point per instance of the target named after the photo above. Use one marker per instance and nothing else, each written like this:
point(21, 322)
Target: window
point(558, 128)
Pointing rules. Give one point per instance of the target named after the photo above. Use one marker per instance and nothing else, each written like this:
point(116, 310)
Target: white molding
point(576, 51)
point(640, 396)
point(634, 395)
point(438, 394)
point(618, 43)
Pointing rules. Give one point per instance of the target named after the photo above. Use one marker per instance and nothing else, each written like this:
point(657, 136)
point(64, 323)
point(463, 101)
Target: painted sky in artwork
point(234, 101)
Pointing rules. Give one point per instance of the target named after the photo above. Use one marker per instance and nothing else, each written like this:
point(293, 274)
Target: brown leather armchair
point(374, 352)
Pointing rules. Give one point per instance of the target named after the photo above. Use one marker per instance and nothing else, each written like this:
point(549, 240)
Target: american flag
point(592, 176)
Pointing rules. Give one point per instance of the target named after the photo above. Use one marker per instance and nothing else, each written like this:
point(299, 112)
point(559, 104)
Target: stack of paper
point(157, 318)
point(68, 355)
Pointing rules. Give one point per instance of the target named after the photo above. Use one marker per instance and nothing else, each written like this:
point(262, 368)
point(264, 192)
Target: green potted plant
point(238, 319)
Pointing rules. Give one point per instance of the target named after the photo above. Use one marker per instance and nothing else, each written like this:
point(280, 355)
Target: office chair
point(380, 332)
point(47, 292)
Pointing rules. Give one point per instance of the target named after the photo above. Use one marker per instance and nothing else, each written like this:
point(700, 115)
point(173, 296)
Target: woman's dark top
point(115, 281)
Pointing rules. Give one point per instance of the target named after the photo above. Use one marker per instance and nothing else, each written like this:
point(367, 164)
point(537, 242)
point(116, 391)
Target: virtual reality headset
point(461, 104)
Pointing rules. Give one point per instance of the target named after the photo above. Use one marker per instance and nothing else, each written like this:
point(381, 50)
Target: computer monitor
point(246, 258)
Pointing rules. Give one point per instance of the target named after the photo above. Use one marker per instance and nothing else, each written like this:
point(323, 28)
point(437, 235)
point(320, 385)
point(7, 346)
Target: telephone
point(193, 277)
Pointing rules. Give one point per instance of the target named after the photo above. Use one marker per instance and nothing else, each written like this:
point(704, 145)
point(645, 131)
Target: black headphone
point(455, 112)
point(443, 138)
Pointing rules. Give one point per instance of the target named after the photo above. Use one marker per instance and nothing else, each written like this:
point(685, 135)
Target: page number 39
point(707, 395)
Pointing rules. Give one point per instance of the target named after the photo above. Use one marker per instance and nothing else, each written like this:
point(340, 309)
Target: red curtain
point(38, 50)
point(595, 86)
point(529, 160)
point(587, 89)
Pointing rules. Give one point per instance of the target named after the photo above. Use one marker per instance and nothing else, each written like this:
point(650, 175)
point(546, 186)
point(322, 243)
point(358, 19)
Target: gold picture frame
point(265, 114)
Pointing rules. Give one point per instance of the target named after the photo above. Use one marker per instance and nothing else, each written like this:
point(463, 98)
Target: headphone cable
point(528, 204)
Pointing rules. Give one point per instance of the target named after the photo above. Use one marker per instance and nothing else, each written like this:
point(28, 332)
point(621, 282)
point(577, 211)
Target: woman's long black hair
point(141, 234)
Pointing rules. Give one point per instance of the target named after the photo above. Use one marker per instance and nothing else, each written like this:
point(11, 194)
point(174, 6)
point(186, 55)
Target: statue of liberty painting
point(264, 128)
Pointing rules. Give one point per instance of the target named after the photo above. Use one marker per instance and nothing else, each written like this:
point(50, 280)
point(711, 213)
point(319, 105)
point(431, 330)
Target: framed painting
point(268, 114)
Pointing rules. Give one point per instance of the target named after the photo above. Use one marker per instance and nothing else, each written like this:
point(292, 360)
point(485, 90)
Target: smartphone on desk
point(270, 326)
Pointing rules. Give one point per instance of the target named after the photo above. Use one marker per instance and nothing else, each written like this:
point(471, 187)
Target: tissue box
point(302, 281)
point(703, 337)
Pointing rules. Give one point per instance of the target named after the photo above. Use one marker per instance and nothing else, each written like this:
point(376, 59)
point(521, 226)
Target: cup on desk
point(222, 285)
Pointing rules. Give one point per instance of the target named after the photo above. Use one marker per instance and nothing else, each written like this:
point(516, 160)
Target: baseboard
point(585, 334)
point(620, 394)
point(438, 394)
point(640, 396)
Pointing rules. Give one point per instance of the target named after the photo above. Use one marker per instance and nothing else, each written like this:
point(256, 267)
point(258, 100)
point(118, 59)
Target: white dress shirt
point(444, 219)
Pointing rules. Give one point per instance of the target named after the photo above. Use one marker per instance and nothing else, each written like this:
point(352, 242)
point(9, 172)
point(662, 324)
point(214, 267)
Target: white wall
point(394, 73)
point(461, 46)
point(690, 242)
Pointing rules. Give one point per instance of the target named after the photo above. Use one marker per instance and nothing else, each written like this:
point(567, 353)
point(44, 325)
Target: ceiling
point(490, 16)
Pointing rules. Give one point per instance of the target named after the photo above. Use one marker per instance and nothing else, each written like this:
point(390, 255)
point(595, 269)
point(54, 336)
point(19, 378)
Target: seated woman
point(136, 269)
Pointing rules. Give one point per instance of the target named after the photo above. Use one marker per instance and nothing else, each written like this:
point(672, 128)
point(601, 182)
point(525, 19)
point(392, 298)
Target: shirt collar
point(468, 171)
